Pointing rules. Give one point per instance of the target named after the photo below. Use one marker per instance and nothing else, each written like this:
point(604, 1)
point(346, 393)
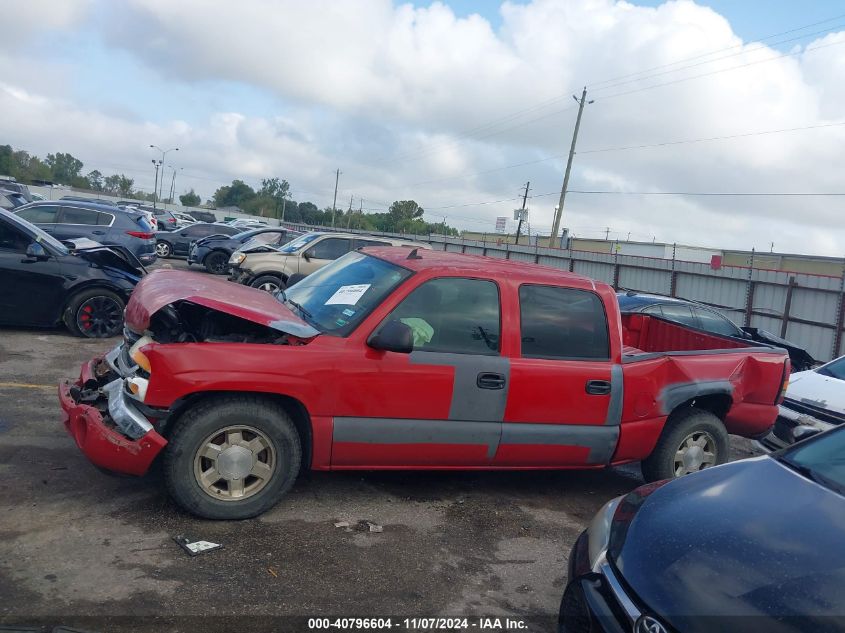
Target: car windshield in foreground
point(821, 459)
point(338, 297)
point(302, 240)
point(834, 369)
point(39, 235)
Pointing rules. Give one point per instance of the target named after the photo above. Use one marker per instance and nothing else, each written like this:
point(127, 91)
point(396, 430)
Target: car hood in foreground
point(164, 287)
point(749, 538)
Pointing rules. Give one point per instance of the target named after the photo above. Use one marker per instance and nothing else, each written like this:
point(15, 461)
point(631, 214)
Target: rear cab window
point(562, 323)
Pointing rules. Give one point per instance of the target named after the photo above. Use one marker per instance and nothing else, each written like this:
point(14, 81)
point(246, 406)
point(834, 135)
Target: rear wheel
point(232, 457)
point(164, 249)
point(216, 263)
point(692, 440)
point(268, 283)
point(95, 313)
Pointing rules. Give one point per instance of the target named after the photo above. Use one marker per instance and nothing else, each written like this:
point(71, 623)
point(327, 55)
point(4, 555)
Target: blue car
point(214, 251)
point(754, 545)
point(103, 223)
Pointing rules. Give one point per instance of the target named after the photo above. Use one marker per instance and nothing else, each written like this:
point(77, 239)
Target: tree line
point(272, 199)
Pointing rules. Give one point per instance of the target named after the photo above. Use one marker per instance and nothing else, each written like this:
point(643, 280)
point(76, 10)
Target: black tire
point(216, 263)
point(681, 426)
point(94, 313)
point(211, 416)
point(164, 249)
point(268, 283)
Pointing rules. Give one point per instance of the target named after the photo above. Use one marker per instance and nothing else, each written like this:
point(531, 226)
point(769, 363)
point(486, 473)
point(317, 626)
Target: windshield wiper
point(307, 315)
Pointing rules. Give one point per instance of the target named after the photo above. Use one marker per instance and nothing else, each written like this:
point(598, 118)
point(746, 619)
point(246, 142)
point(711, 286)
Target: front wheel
point(232, 457)
point(216, 263)
point(692, 440)
point(95, 313)
point(268, 283)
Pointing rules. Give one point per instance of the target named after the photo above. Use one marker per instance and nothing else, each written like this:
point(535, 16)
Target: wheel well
point(92, 285)
point(716, 403)
point(294, 408)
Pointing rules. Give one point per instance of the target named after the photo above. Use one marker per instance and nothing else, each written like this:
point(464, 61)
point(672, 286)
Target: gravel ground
point(77, 544)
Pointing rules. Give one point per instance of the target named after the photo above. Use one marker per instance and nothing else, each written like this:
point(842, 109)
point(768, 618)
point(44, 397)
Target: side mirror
point(306, 256)
point(295, 278)
point(395, 336)
point(803, 431)
point(36, 252)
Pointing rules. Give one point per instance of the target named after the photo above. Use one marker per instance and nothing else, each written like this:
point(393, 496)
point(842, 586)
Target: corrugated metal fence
point(805, 309)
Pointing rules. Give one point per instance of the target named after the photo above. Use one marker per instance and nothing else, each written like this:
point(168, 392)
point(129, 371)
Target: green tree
point(119, 184)
point(190, 199)
point(95, 180)
point(65, 167)
point(234, 195)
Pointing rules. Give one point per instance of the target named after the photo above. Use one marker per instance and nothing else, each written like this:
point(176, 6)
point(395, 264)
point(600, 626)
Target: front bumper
point(595, 601)
point(106, 426)
point(240, 276)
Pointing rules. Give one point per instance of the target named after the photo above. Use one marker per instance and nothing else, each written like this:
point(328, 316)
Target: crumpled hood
point(163, 287)
point(818, 391)
point(108, 257)
point(748, 538)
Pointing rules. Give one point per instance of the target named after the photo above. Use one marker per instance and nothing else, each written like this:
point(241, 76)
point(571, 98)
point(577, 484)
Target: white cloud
point(384, 92)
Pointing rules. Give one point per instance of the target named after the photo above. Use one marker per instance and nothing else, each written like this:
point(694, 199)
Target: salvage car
point(754, 545)
point(395, 358)
point(269, 269)
point(45, 283)
point(103, 223)
point(703, 317)
point(214, 252)
point(814, 402)
point(178, 243)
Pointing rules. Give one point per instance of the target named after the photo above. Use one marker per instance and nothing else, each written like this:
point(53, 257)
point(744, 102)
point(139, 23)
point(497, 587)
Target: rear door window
point(680, 313)
point(330, 248)
point(73, 215)
point(716, 323)
point(46, 214)
point(562, 323)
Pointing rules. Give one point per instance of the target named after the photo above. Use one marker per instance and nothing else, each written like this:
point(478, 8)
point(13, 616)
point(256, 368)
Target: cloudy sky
point(457, 104)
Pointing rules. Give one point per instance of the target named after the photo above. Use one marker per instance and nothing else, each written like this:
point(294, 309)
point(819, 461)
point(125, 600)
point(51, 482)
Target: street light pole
point(157, 164)
point(163, 154)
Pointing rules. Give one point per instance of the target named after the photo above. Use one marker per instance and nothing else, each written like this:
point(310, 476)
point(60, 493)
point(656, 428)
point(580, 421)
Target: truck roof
point(477, 264)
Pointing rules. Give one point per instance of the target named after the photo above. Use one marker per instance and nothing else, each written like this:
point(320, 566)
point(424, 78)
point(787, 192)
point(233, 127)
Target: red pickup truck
point(391, 358)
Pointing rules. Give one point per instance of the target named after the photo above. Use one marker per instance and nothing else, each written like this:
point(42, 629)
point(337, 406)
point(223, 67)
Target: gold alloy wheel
point(235, 463)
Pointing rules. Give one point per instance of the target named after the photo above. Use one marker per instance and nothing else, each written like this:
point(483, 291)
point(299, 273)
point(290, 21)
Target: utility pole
point(360, 213)
point(173, 184)
point(334, 202)
point(522, 213)
point(349, 214)
point(284, 204)
point(559, 214)
point(606, 234)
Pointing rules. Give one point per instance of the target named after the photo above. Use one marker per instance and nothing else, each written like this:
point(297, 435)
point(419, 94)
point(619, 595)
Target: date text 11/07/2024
point(419, 624)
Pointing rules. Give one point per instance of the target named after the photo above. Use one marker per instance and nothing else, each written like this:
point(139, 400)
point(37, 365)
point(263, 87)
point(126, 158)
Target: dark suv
point(10, 184)
point(106, 224)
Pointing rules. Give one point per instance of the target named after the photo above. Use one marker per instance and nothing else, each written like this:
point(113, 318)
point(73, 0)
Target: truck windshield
point(820, 459)
point(335, 299)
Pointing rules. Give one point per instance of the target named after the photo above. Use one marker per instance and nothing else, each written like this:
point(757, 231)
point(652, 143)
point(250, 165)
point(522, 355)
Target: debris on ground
point(273, 572)
point(369, 526)
point(195, 547)
point(342, 524)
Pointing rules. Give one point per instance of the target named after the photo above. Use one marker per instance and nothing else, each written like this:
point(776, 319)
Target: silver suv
point(269, 268)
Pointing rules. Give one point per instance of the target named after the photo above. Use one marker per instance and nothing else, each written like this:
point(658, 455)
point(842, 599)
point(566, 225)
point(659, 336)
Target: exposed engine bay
point(186, 322)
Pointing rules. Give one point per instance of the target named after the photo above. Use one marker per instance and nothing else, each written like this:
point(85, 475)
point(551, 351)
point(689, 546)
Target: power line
point(721, 70)
point(595, 85)
point(704, 140)
point(710, 61)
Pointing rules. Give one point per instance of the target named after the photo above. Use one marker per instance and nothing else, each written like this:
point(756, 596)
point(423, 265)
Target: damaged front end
point(105, 410)
point(104, 420)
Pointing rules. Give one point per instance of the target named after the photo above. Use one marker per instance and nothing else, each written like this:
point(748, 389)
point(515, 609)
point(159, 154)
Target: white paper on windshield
point(348, 295)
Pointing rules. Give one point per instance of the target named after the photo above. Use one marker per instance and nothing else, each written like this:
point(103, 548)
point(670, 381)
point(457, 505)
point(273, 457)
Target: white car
point(183, 219)
point(815, 399)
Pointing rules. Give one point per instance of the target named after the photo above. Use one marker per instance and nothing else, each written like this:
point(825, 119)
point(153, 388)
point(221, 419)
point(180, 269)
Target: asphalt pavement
point(83, 548)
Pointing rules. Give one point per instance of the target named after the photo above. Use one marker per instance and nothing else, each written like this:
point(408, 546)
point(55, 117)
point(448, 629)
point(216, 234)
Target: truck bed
point(647, 334)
